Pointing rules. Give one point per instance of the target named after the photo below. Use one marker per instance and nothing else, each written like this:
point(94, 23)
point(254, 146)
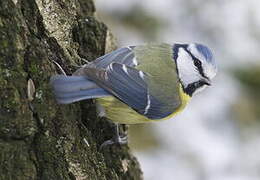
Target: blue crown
point(205, 51)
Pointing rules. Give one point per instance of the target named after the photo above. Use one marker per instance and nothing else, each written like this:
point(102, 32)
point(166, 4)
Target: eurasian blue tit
point(139, 84)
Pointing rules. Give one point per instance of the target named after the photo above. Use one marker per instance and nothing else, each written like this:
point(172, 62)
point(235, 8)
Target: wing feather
point(123, 56)
point(132, 87)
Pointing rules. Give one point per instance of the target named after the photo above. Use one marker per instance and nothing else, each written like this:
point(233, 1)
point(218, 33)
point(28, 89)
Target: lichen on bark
point(40, 139)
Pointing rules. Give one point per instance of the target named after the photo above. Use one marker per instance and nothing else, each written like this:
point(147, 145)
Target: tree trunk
point(40, 139)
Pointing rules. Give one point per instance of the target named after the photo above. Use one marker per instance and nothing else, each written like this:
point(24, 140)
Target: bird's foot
point(117, 139)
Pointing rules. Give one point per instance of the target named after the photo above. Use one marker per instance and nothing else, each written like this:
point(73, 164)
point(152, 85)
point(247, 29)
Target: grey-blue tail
point(69, 89)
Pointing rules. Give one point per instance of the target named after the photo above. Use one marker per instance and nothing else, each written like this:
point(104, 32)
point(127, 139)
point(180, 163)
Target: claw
point(58, 65)
point(106, 143)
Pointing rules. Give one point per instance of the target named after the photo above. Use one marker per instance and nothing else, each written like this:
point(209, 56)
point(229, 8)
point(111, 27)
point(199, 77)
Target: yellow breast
point(119, 112)
point(185, 98)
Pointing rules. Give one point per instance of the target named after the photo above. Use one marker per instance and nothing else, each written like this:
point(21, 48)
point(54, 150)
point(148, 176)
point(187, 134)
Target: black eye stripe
point(197, 63)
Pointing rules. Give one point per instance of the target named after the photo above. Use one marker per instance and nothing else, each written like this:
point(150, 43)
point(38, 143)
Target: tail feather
point(69, 89)
point(64, 84)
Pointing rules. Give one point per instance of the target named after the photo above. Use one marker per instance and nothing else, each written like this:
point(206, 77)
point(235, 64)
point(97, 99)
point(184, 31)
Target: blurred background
point(217, 137)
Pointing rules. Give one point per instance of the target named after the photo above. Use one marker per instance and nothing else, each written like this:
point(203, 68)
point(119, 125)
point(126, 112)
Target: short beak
point(207, 82)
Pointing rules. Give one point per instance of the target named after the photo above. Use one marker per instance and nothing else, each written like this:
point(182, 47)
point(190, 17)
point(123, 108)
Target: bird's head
point(195, 65)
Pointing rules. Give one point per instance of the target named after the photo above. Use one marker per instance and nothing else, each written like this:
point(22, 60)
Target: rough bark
point(40, 139)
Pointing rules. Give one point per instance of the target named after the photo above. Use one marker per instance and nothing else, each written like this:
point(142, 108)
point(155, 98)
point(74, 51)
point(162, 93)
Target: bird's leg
point(121, 139)
point(117, 138)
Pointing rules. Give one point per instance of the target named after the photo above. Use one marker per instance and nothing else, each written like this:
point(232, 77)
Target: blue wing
point(131, 86)
point(123, 56)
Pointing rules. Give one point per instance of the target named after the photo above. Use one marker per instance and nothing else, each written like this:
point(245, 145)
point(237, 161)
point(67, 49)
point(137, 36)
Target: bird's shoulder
point(134, 55)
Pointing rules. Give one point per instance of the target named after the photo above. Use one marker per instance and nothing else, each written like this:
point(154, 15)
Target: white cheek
point(187, 71)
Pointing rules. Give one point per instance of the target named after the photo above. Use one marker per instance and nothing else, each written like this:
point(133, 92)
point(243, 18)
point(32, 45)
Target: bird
point(140, 84)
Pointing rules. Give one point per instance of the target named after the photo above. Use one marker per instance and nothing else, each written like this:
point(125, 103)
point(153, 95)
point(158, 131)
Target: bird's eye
point(197, 63)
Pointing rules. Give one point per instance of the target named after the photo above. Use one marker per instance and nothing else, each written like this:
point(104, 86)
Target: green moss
point(15, 163)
